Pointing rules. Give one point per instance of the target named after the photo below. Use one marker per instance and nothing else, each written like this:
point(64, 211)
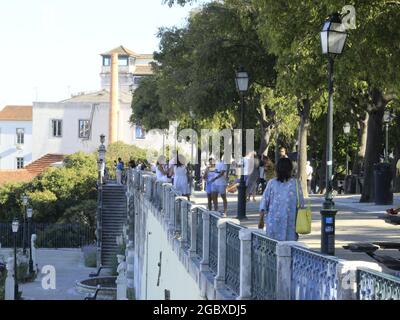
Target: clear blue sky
point(50, 45)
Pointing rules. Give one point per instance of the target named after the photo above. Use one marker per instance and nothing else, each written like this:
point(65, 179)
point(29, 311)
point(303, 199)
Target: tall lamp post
point(29, 213)
point(242, 85)
point(14, 227)
point(386, 121)
point(101, 167)
point(25, 200)
point(333, 38)
point(197, 166)
point(346, 130)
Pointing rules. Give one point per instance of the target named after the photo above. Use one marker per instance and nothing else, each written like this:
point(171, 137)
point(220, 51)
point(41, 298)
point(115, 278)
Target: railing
point(49, 235)
point(199, 232)
point(186, 208)
point(313, 276)
point(263, 267)
point(232, 273)
point(213, 257)
point(372, 285)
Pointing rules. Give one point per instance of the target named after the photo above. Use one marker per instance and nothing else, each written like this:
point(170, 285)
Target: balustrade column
point(204, 264)
point(346, 272)
point(245, 236)
point(219, 280)
point(184, 222)
point(193, 233)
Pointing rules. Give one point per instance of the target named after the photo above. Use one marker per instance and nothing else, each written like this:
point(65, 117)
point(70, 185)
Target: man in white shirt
point(309, 172)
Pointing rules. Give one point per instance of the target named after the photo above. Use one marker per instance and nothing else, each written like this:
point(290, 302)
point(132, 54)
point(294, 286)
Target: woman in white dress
point(180, 173)
point(161, 172)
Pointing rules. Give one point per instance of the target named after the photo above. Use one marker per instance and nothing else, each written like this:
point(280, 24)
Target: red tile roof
point(30, 171)
point(16, 113)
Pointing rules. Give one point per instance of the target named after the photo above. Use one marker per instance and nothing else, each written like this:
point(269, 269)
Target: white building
point(75, 124)
point(15, 137)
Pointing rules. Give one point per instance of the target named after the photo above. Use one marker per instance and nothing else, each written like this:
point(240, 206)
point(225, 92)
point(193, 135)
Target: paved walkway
point(69, 267)
point(355, 222)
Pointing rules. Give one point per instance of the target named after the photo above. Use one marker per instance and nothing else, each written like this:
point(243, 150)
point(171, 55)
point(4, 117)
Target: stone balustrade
point(229, 261)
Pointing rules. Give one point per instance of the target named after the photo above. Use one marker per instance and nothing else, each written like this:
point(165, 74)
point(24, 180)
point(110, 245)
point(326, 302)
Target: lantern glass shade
point(25, 200)
point(333, 35)
point(346, 128)
point(15, 226)
point(29, 213)
point(102, 138)
point(386, 116)
point(242, 81)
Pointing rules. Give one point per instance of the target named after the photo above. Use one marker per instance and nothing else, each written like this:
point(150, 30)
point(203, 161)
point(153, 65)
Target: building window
point(140, 133)
point(20, 163)
point(56, 128)
point(106, 61)
point(20, 136)
point(84, 129)
point(123, 61)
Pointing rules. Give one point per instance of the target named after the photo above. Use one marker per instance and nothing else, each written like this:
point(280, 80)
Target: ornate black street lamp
point(242, 85)
point(29, 213)
point(14, 227)
point(25, 200)
point(386, 121)
point(333, 38)
point(346, 130)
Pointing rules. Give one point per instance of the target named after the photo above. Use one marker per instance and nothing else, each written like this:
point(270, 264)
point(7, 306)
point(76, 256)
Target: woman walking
point(180, 174)
point(279, 204)
point(209, 174)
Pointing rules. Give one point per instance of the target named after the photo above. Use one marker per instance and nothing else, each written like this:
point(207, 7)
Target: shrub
point(90, 256)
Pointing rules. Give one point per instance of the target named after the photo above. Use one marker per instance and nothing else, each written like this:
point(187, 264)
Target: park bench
point(371, 248)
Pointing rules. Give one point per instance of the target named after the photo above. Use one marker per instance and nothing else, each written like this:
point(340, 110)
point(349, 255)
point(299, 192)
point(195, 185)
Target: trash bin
point(383, 184)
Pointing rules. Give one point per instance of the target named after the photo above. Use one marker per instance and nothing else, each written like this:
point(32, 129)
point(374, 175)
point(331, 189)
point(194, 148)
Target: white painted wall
point(70, 113)
point(8, 139)
point(174, 276)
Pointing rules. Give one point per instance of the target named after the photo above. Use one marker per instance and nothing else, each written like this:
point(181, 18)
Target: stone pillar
point(121, 279)
point(284, 268)
point(10, 281)
point(219, 280)
point(346, 273)
point(114, 100)
point(204, 266)
point(245, 264)
point(34, 256)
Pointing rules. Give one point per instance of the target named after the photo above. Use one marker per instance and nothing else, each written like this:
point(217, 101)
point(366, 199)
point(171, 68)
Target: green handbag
point(304, 217)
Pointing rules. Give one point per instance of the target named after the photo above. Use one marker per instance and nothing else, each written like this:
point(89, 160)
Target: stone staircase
point(114, 213)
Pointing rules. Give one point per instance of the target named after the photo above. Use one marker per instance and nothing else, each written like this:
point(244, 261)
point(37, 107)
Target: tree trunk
point(362, 142)
point(267, 121)
point(304, 113)
point(374, 144)
point(396, 180)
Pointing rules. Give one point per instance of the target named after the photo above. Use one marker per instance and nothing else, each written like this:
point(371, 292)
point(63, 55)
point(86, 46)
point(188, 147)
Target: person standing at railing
point(278, 208)
point(219, 184)
point(181, 180)
point(161, 170)
point(120, 169)
point(209, 174)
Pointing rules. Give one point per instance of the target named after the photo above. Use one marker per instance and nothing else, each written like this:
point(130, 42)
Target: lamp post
point(333, 38)
point(346, 130)
point(25, 200)
point(242, 85)
point(197, 166)
point(386, 121)
point(101, 162)
point(14, 227)
point(29, 213)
